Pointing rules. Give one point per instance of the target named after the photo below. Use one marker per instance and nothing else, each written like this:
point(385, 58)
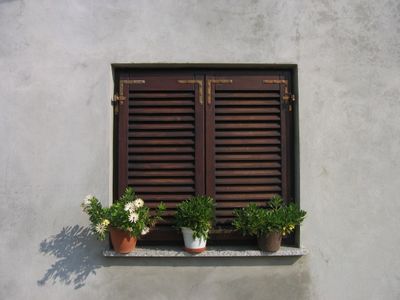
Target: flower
point(133, 217)
point(86, 203)
point(145, 230)
point(100, 228)
point(139, 202)
point(105, 222)
point(130, 206)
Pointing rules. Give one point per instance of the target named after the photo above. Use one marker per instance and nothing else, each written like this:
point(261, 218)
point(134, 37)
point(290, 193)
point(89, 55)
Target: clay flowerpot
point(121, 240)
point(271, 242)
point(192, 245)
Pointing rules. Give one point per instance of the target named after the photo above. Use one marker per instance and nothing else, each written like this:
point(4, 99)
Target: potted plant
point(268, 224)
point(194, 217)
point(126, 219)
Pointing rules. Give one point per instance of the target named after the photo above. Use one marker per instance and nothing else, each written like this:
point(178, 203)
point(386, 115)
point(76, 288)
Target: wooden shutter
point(247, 142)
point(161, 141)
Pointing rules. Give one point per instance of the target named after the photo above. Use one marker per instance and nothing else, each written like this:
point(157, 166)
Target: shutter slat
point(160, 141)
point(163, 181)
point(158, 174)
point(247, 196)
point(157, 103)
point(166, 198)
point(241, 173)
point(161, 150)
point(160, 126)
point(151, 95)
point(246, 110)
point(231, 205)
point(246, 181)
point(258, 141)
point(239, 126)
point(263, 133)
point(160, 166)
point(247, 165)
point(245, 157)
point(247, 188)
point(249, 95)
point(247, 149)
point(161, 157)
point(248, 118)
point(159, 134)
point(164, 189)
point(161, 110)
point(162, 118)
point(245, 102)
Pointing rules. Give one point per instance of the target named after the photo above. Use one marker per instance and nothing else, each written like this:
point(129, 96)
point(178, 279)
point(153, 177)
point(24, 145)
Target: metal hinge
point(120, 98)
point(287, 98)
point(116, 98)
point(291, 100)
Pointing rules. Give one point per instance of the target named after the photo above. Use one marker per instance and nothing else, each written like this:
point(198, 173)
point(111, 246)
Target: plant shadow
point(76, 251)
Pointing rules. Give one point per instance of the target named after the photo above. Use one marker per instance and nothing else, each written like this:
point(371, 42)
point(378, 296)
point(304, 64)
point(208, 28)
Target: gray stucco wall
point(55, 87)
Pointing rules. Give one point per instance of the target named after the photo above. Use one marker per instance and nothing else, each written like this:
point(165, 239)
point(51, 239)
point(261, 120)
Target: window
point(224, 133)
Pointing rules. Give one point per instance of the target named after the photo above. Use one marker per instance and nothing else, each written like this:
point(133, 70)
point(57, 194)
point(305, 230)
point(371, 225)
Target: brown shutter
point(161, 141)
point(247, 153)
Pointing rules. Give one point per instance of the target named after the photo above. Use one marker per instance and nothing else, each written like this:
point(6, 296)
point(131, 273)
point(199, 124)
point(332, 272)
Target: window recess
point(224, 133)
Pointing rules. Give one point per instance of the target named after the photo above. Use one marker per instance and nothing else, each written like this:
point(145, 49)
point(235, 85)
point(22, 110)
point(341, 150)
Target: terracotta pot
point(270, 242)
point(121, 240)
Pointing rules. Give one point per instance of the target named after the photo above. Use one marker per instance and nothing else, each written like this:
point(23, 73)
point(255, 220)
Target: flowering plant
point(128, 213)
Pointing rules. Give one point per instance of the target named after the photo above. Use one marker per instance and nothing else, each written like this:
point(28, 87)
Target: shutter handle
point(215, 81)
point(199, 86)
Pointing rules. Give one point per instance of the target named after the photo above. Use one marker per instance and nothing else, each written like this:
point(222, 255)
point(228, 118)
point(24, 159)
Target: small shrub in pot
point(269, 224)
point(194, 217)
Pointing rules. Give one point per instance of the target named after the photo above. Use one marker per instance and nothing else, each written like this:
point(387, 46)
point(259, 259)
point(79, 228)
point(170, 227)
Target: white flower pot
point(192, 245)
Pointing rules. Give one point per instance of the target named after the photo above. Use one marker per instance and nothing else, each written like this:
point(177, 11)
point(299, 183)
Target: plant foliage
point(257, 221)
point(128, 213)
point(196, 213)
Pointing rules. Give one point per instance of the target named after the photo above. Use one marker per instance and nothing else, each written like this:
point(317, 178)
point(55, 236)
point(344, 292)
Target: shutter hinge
point(115, 100)
point(292, 99)
point(287, 97)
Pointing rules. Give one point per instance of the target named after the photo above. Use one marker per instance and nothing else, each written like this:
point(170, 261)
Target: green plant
point(128, 213)
point(196, 213)
point(257, 221)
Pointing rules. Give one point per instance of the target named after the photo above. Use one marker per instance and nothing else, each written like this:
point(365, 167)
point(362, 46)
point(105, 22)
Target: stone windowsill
point(212, 251)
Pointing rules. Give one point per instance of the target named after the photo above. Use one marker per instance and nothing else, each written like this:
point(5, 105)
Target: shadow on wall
point(74, 248)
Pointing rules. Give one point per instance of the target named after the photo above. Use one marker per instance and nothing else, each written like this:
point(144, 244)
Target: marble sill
point(212, 251)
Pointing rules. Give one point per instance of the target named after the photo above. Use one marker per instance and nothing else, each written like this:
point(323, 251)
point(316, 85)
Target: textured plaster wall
point(55, 87)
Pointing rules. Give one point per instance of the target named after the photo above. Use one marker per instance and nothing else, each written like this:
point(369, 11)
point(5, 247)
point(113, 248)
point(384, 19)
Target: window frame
point(224, 70)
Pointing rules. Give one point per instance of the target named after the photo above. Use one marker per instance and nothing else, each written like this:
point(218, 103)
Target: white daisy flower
point(145, 230)
point(133, 217)
point(100, 228)
point(130, 206)
point(86, 202)
point(139, 202)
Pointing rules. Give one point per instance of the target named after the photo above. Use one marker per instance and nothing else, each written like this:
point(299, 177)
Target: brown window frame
point(205, 131)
